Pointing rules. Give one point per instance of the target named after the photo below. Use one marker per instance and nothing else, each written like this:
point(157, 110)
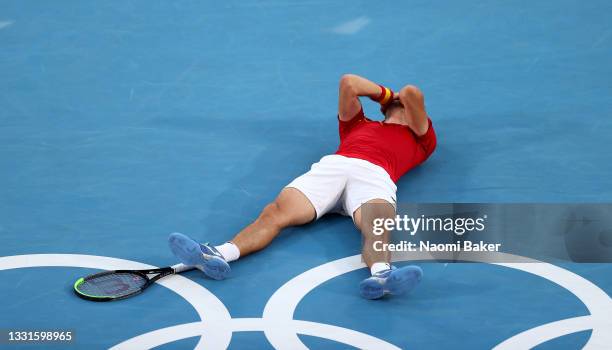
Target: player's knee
point(412, 92)
point(271, 215)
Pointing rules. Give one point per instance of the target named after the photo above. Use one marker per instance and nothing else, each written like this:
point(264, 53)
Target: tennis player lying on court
point(371, 157)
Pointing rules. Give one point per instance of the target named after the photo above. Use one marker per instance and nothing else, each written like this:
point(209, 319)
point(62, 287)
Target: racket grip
point(178, 268)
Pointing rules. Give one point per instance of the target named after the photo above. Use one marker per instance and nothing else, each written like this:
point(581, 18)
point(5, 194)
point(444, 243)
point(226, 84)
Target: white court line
point(321, 330)
point(216, 331)
point(596, 301)
point(281, 330)
point(206, 304)
point(284, 301)
point(540, 334)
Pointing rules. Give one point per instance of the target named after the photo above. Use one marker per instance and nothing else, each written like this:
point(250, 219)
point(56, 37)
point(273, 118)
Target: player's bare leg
point(364, 220)
point(385, 279)
point(290, 208)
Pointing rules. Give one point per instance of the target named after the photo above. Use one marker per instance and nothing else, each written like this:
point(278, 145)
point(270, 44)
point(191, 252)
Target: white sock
point(379, 266)
point(229, 251)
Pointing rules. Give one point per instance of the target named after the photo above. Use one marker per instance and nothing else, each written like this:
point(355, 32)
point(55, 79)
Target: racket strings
point(112, 285)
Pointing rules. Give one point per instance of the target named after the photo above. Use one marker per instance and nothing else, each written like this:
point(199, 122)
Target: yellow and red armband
point(385, 96)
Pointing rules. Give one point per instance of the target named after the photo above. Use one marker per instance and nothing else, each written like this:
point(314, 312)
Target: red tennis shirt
point(393, 147)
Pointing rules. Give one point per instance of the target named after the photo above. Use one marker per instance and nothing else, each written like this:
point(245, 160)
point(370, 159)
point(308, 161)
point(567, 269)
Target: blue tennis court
point(124, 121)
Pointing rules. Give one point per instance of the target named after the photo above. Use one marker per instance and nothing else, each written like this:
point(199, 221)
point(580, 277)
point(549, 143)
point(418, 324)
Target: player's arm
point(414, 106)
point(351, 88)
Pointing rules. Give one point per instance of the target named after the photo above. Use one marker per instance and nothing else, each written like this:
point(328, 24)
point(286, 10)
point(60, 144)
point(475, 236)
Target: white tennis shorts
point(338, 184)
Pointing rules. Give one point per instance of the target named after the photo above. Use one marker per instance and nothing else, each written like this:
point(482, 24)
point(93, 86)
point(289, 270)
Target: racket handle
point(178, 268)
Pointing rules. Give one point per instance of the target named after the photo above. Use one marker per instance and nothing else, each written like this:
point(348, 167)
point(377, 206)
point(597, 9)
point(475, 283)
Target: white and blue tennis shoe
point(394, 281)
point(203, 256)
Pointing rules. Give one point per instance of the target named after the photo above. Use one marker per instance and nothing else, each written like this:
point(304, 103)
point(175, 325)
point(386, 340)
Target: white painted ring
point(206, 304)
point(281, 330)
point(339, 334)
point(216, 331)
point(540, 334)
point(284, 301)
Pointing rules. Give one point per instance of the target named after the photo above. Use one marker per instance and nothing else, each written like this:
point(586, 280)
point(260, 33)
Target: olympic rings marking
point(206, 304)
point(282, 304)
point(215, 335)
point(321, 330)
point(538, 335)
point(281, 330)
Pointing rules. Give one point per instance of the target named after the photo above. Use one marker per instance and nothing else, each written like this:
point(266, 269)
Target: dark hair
point(392, 104)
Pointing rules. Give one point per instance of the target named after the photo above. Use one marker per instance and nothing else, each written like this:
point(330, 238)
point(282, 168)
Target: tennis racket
point(121, 284)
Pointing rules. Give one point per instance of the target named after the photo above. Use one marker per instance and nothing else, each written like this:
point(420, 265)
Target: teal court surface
point(124, 121)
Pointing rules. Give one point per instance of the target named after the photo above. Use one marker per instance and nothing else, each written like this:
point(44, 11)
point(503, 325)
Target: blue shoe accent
point(206, 258)
point(395, 281)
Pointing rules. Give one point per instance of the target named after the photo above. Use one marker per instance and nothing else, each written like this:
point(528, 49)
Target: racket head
point(112, 285)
